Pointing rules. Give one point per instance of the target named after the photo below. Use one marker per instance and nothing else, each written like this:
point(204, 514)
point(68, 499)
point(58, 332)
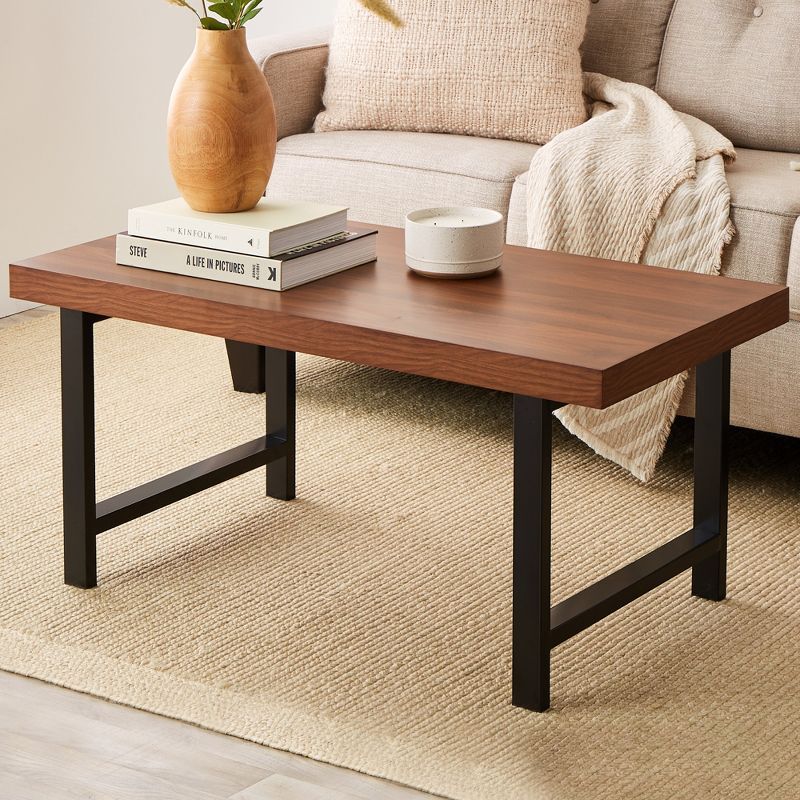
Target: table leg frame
point(246, 366)
point(85, 518)
point(538, 627)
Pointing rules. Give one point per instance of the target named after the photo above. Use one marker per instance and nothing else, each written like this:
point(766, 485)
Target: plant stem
point(192, 9)
point(205, 10)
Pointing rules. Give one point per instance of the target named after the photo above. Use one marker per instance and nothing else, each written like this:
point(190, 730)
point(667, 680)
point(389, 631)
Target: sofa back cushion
point(736, 65)
point(624, 39)
point(506, 70)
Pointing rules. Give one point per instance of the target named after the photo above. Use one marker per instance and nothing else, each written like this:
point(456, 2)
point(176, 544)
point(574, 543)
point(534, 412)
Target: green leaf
point(224, 10)
point(250, 14)
point(251, 5)
point(211, 24)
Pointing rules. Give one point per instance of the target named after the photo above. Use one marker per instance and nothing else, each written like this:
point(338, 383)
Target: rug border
point(124, 683)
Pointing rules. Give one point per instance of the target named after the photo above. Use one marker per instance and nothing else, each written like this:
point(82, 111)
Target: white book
point(266, 230)
point(298, 266)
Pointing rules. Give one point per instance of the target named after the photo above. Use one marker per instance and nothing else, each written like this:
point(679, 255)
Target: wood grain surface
point(565, 328)
point(221, 127)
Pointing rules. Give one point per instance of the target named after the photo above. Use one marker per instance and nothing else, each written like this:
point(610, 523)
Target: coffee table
point(549, 328)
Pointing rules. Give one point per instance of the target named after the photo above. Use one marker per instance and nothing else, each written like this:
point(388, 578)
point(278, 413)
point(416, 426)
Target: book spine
point(196, 233)
point(199, 262)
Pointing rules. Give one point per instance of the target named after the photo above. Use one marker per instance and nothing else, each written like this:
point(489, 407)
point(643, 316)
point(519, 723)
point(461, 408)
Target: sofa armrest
point(294, 65)
point(793, 279)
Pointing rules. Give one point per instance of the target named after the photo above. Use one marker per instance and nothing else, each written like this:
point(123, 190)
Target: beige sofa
point(734, 63)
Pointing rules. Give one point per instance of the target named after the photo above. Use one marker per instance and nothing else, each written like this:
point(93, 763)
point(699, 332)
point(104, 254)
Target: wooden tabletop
point(565, 328)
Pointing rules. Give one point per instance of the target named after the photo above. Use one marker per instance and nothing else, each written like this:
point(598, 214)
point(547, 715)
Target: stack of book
point(274, 246)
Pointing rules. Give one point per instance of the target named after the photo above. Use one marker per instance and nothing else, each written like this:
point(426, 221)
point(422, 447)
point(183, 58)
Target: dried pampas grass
point(383, 10)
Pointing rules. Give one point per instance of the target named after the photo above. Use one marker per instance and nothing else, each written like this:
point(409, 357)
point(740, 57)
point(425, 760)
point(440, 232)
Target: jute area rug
point(368, 623)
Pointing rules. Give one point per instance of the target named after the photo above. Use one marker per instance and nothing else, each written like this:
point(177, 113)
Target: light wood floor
point(56, 744)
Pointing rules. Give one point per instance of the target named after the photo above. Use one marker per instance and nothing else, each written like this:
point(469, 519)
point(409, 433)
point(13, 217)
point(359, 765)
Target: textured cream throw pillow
point(506, 69)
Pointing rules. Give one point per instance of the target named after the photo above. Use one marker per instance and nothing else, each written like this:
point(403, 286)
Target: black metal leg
point(247, 366)
point(280, 378)
point(533, 442)
point(712, 420)
point(85, 518)
point(538, 628)
point(77, 415)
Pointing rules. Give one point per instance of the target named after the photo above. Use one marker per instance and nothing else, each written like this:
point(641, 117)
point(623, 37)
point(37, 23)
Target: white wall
point(281, 16)
point(84, 89)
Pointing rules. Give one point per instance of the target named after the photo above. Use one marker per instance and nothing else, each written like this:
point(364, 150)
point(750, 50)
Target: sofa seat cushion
point(382, 175)
point(765, 200)
point(765, 203)
point(761, 180)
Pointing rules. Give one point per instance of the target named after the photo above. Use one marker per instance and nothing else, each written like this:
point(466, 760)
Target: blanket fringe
point(642, 472)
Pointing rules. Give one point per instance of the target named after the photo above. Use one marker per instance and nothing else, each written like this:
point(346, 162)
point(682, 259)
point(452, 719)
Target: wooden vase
point(221, 125)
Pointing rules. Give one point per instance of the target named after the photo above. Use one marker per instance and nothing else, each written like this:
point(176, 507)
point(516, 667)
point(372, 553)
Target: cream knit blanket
point(641, 183)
